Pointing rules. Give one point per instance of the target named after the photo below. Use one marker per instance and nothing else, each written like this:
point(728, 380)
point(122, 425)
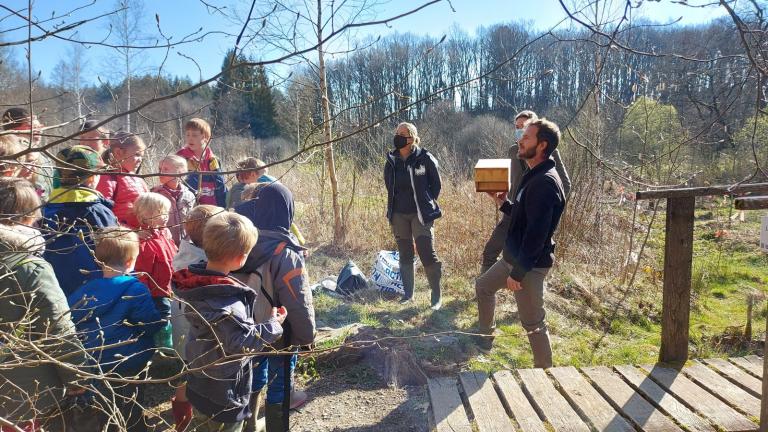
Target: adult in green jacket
point(39, 349)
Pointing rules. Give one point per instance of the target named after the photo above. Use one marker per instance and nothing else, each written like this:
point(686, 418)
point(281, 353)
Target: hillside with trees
point(641, 105)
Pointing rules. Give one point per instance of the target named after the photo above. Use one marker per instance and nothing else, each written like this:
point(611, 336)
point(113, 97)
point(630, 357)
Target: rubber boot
point(406, 267)
point(182, 414)
point(273, 413)
point(253, 423)
point(434, 274)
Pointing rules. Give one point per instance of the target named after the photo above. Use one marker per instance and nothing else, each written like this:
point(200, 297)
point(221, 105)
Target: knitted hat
point(79, 156)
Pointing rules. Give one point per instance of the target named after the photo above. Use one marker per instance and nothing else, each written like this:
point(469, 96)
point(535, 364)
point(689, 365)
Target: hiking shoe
point(406, 300)
point(437, 306)
point(484, 344)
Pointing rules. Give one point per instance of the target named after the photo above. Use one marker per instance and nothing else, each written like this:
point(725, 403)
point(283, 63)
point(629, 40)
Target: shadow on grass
point(433, 337)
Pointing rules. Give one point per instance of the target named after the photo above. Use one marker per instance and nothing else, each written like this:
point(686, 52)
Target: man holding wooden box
point(518, 167)
point(534, 213)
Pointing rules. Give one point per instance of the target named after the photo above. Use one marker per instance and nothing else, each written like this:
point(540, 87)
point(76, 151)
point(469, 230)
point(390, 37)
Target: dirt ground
point(351, 399)
point(355, 399)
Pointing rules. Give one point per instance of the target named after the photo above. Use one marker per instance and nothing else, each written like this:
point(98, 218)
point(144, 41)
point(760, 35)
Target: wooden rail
point(678, 259)
point(754, 188)
point(752, 203)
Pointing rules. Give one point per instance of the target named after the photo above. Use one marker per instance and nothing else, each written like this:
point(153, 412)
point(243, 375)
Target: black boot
point(273, 413)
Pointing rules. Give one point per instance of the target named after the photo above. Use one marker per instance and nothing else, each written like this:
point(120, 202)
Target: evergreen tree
point(243, 100)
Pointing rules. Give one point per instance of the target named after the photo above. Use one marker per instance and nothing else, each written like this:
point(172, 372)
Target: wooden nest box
point(492, 175)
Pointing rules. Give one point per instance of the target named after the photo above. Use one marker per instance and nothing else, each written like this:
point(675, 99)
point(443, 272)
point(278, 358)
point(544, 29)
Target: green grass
point(624, 328)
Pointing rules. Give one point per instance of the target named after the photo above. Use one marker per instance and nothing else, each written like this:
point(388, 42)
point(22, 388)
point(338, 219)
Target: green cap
point(80, 156)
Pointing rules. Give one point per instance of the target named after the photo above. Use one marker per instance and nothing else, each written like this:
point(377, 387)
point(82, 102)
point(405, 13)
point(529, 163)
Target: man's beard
point(525, 155)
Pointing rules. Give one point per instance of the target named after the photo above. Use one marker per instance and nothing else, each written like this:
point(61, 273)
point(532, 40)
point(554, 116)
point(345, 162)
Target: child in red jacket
point(125, 155)
point(156, 251)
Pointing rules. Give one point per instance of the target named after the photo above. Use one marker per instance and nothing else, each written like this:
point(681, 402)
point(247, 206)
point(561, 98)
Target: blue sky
point(183, 17)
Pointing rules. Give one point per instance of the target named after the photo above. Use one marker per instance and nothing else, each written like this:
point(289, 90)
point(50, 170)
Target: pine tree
point(243, 100)
point(261, 106)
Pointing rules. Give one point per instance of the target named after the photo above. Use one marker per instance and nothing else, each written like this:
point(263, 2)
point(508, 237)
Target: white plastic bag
point(386, 272)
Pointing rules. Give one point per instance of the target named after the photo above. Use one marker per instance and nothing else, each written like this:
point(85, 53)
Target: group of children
point(185, 266)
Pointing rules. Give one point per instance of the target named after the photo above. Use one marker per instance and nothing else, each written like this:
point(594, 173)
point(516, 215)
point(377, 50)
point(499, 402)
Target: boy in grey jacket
point(275, 267)
point(224, 335)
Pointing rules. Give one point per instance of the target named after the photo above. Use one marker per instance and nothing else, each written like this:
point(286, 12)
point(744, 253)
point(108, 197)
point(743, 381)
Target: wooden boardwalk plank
point(517, 403)
point(664, 400)
point(748, 366)
point(599, 413)
point(709, 406)
point(550, 403)
point(486, 406)
point(755, 360)
point(644, 415)
point(737, 375)
point(447, 406)
point(724, 389)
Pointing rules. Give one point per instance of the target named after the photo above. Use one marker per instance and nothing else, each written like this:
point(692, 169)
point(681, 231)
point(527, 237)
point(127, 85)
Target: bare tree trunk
point(78, 75)
point(338, 228)
point(598, 126)
point(126, 34)
point(128, 91)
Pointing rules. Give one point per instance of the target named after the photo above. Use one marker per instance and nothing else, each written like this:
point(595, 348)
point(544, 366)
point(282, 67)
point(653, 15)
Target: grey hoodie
point(277, 265)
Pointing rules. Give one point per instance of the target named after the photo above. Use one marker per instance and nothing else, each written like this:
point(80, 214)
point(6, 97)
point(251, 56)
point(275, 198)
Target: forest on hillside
point(660, 103)
point(641, 104)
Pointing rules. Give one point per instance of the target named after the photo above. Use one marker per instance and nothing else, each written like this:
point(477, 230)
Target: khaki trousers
point(530, 307)
point(408, 230)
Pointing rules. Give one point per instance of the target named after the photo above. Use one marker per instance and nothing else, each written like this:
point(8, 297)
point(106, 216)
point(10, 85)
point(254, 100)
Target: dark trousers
point(130, 401)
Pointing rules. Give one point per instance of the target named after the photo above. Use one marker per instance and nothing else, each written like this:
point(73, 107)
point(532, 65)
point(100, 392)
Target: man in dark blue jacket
point(495, 244)
point(529, 249)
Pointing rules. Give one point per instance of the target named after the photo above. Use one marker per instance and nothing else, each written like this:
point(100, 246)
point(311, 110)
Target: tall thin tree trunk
point(78, 79)
point(126, 30)
point(338, 228)
point(128, 91)
point(597, 124)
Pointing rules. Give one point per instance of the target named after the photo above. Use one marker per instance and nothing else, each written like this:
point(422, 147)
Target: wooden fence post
point(678, 260)
point(763, 399)
point(760, 203)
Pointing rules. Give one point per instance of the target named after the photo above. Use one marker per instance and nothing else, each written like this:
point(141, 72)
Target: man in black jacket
point(529, 250)
point(495, 244)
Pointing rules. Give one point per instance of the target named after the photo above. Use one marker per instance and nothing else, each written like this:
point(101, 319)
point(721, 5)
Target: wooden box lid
point(493, 163)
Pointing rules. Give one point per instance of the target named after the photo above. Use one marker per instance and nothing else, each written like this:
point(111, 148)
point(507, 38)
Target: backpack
point(264, 289)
